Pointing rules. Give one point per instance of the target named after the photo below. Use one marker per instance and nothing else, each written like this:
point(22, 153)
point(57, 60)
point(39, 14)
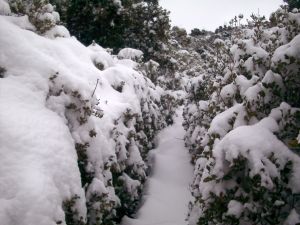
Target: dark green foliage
point(180, 35)
point(137, 24)
point(103, 209)
point(293, 4)
point(291, 78)
point(2, 71)
point(71, 214)
point(196, 32)
point(93, 20)
point(86, 177)
point(147, 28)
point(128, 204)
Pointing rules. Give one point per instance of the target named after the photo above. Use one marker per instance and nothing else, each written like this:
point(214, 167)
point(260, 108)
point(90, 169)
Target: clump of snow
point(4, 8)
point(249, 47)
point(57, 31)
point(48, 14)
point(130, 53)
point(173, 61)
point(285, 52)
point(243, 83)
point(235, 208)
point(225, 121)
point(101, 58)
point(219, 42)
point(271, 77)
point(228, 91)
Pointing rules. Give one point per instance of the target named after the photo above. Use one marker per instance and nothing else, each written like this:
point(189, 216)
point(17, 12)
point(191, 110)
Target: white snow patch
point(235, 208)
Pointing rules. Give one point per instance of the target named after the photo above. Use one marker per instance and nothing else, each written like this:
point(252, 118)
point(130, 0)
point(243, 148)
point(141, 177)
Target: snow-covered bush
point(40, 13)
point(242, 122)
point(74, 135)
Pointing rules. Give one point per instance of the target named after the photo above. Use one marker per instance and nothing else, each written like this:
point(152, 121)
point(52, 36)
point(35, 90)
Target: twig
point(95, 88)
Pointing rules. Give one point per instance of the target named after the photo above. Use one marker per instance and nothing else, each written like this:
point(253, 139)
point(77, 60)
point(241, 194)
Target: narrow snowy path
point(167, 192)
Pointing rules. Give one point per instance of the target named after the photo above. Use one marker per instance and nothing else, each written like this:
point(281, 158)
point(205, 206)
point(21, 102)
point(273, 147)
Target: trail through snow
point(167, 192)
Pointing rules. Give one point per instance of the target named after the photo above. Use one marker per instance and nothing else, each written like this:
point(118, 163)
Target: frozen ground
point(167, 193)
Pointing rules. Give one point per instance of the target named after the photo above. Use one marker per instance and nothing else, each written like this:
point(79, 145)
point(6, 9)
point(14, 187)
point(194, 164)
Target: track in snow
point(167, 190)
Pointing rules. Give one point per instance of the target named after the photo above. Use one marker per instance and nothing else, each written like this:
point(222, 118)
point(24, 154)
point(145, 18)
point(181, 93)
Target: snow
point(38, 160)
point(39, 131)
point(167, 194)
point(243, 83)
point(256, 143)
point(173, 61)
point(22, 22)
point(34, 163)
point(235, 208)
point(57, 31)
point(241, 136)
point(130, 53)
point(293, 218)
point(218, 41)
point(289, 50)
point(271, 77)
point(228, 91)
point(4, 8)
point(249, 48)
point(101, 58)
point(221, 123)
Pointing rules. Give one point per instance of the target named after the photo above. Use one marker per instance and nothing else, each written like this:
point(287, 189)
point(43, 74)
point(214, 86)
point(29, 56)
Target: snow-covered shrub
point(75, 143)
point(150, 69)
point(40, 13)
point(242, 124)
point(249, 171)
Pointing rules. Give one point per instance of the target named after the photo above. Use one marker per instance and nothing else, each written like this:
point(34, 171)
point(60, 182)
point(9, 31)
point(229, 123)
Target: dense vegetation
point(242, 121)
point(117, 24)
